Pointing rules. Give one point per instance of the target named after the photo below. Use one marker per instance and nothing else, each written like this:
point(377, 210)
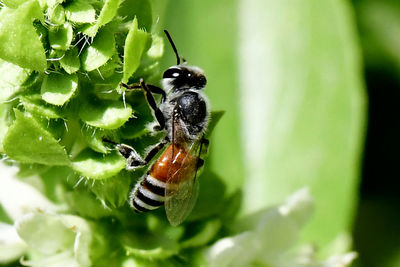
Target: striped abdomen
point(149, 192)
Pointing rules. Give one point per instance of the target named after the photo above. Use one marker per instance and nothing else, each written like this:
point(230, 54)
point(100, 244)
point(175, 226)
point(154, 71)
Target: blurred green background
point(311, 93)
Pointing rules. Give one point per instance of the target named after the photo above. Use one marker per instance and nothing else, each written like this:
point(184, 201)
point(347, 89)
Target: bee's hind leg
point(133, 159)
point(153, 151)
point(203, 143)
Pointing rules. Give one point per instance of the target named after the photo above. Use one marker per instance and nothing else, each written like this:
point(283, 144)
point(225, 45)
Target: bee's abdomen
point(148, 194)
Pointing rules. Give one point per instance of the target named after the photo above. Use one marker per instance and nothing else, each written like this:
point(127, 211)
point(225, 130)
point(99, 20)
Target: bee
point(183, 114)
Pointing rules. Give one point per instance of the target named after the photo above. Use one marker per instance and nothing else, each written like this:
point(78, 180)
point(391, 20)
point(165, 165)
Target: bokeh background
point(311, 91)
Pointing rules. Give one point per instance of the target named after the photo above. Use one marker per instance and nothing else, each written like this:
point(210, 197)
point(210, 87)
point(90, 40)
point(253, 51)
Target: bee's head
point(184, 77)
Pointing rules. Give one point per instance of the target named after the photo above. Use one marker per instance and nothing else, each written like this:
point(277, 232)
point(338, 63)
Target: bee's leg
point(134, 86)
point(157, 90)
point(152, 88)
point(133, 159)
point(203, 142)
point(150, 155)
point(200, 163)
point(148, 90)
point(150, 99)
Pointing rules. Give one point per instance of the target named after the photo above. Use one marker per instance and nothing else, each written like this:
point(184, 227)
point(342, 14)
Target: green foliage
point(135, 45)
point(101, 50)
point(15, 29)
point(27, 141)
point(57, 89)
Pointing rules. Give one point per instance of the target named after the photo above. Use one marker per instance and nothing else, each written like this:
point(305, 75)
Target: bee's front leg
point(148, 90)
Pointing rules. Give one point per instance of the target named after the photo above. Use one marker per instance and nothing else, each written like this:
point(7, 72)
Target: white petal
point(18, 198)
point(11, 246)
point(340, 260)
point(232, 251)
point(299, 206)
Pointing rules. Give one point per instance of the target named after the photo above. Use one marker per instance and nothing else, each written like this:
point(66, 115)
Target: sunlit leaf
point(15, 29)
point(57, 89)
point(42, 148)
point(38, 107)
point(80, 11)
point(100, 51)
point(70, 61)
point(135, 45)
point(151, 248)
point(11, 83)
point(98, 166)
point(107, 13)
point(56, 14)
point(105, 114)
point(61, 37)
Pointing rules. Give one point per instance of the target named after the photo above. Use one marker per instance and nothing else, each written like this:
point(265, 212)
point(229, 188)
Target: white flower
point(268, 238)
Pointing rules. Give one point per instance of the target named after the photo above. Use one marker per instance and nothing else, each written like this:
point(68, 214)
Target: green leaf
point(27, 141)
point(156, 49)
point(303, 108)
point(100, 51)
point(56, 14)
point(98, 166)
point(80, 11)
point(70, 62)
point(15, 29)
point(151, 247)
point(211, 196)
point(203, 235)
point(215, 116)
point(105, 114)
point(11, 83)
point(13, 3)
point(107, 13)
point(57, 89)
point(37, 107)
point(135, 45)
point(113, 191)
point(107, 72)
point(60, 37)
point(93, 137)
point(86, 205)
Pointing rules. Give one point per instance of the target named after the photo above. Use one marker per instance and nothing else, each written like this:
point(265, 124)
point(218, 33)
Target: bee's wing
point(182, 187)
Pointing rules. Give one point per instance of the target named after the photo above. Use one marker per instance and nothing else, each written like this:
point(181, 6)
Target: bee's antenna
point(178, 59)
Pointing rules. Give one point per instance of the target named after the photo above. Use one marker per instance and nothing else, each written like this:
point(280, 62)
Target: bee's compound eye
point(172, 73)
